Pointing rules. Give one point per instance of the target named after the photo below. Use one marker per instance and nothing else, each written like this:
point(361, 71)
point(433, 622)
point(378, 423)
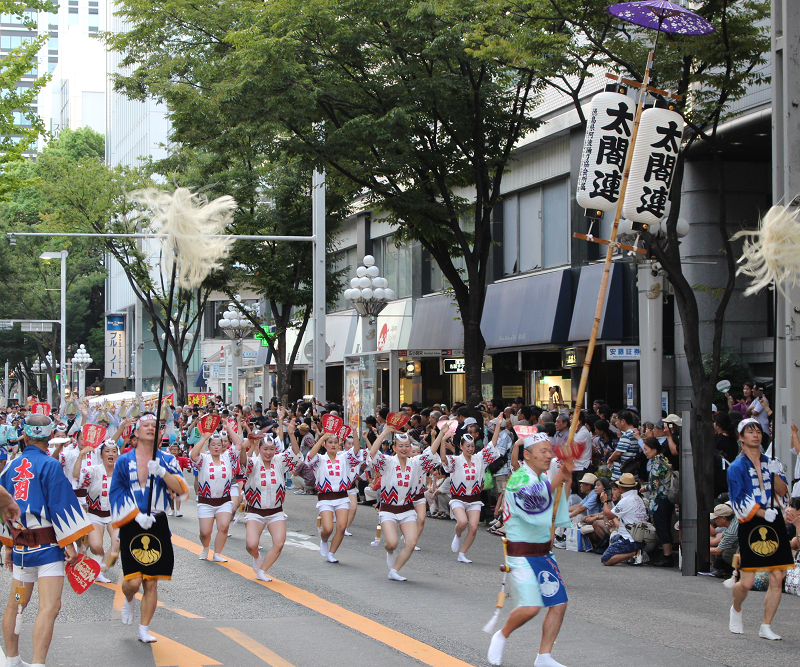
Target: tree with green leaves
point(391, 96)
point(20, 126)
point(29, 287)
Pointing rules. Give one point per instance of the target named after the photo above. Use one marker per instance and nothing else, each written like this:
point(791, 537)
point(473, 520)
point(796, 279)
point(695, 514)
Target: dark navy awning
point(586, 303)
point(528, 311)
point(436, 325)
point(200, 381)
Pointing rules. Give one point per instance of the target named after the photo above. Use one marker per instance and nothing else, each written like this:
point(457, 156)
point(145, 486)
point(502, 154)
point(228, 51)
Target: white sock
point(546, 660)
point(391, 558)
point(395, 576)
point(257, 563)
point(127, 611)
point(496, 646)
point(219, 559)
point(204, 554)
point(262, 577)
point(16, 661)
point(331, 558)
point(145, 636)
point(463, 559)
point(324, 549)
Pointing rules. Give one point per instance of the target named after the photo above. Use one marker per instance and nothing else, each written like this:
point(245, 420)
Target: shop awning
point(340, 331)
point(586, 303)
point(437, 325)
point(394, 327)
point(527, 311)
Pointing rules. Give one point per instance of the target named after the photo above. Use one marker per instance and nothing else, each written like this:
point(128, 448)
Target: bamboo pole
point(601, 297)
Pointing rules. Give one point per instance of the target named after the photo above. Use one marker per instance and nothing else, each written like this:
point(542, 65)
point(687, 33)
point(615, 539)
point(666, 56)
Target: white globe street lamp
point(80, 362)
point(369, 293)
point(236, 325)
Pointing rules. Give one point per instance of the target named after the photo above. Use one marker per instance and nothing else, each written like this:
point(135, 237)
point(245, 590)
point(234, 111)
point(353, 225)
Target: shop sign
point(453, 365)
point(626, 353)
point(572, 357)
point(512, 391)
point(419, 353)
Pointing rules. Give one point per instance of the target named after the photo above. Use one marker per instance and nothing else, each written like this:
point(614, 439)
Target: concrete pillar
point(651, 326)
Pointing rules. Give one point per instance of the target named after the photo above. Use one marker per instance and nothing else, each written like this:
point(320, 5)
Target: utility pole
point(320, 347)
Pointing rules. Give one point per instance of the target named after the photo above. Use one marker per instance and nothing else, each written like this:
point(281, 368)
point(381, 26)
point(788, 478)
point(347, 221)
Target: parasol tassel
point(377, 541)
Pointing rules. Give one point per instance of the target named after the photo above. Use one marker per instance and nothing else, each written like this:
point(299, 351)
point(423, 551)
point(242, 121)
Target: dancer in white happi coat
point(96, 480)
point(466, 472)
point(216, 472)
point(399, 476)
point(333, 476)
point(265, 490)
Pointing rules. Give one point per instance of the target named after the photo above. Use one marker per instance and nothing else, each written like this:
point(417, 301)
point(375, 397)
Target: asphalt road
point(346, 614)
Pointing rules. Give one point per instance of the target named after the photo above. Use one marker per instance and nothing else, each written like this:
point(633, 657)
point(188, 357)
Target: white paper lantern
point(682, 228)
point(366, 293)
point(373, 271)
point(369, 260)
point(378, 293)
point(388, 294)
point(361, 271)
point(364, 282)
point(653, 166)
point(609, 125)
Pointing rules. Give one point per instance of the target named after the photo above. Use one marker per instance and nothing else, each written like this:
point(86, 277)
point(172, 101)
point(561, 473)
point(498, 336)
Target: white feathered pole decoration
point(192, 225)
point(771, 255)
point(191, 250)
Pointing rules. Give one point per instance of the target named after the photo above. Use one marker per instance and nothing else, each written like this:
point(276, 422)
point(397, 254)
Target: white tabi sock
point(546, 660)
point(145, 636)
point(16, 661)
point(394, 575)
point(496, 646)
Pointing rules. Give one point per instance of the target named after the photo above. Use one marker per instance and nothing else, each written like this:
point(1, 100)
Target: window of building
point(536, 228)
point(344, 259)
point(13, 41)
point(395, 265)
point(52, 44)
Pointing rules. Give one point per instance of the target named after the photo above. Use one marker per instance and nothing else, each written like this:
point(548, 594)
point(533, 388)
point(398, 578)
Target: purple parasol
point(662, 16)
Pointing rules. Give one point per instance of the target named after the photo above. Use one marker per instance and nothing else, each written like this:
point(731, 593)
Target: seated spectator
point(596, 526)
point(626, 512)
point(660, 508)
point(438, 494)
point(727, 543)
point(590, 503)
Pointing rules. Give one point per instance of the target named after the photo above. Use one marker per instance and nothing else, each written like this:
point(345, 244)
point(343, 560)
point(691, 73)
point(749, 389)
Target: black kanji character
point(670, 133)
point(654, 201)
point(606, 185)
point(620, 116)
point(613, 149)
point(660, 167)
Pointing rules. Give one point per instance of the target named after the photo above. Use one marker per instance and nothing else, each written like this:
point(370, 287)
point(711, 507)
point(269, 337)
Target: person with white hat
point(532, 494)
point(755, 482)
point(627, 511)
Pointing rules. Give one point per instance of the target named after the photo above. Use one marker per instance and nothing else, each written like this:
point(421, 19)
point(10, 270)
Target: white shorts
point(400, 519)
point(99, 520)
point(467, 507)
point(352, 492)
point(206, 511)
point(29, 575)
point(333, 505)
point(234, 490)
point(265, 520)
point(419, 501)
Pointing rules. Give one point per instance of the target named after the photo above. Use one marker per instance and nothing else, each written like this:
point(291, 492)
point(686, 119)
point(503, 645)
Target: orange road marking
point(169, 653)
point(258, 650)
point(397, 640)
point(119, 597)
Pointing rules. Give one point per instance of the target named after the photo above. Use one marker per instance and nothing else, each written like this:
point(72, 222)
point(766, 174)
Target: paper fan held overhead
point(191, 224)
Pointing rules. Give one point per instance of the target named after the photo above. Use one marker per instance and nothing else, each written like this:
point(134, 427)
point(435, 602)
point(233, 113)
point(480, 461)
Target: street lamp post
point(55, 366)
point(369, 294)
point(236, 326)
point(80, 362)
point(62, 255)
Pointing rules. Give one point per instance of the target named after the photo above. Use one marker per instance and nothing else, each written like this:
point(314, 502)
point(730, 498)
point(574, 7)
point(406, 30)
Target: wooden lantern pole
point(598, 313)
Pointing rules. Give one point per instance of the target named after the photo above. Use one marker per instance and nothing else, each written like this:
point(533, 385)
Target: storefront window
point(543, 380)
point(395, 265)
